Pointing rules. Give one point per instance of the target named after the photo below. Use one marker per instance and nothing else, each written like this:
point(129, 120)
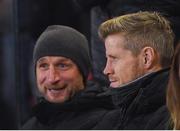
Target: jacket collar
point(149, 89)
point(82, 101)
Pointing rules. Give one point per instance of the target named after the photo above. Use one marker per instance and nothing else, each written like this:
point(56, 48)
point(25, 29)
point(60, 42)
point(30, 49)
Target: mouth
point(56, 90)
point(113, 83)
point(111, 80)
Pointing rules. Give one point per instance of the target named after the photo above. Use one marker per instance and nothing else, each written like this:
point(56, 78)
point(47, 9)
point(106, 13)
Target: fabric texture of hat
point(58, 40)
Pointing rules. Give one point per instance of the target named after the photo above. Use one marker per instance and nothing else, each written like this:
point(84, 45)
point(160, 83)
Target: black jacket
point(140, 104)
point(137, 105)
point(83, 111)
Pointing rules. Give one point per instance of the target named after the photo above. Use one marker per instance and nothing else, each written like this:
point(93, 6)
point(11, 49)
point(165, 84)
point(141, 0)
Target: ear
point(148, 57)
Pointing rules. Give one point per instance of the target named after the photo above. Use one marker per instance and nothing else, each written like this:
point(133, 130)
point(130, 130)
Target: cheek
point(74, 80)
point(41, 77)
point(118, 67)
point(69, 79)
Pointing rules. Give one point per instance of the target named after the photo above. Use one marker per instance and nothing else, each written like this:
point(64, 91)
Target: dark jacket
point(140, 104)
point(137, 105)
point(83, 111)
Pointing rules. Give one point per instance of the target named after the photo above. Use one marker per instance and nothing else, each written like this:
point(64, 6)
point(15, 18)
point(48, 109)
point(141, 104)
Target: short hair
point(143, 29)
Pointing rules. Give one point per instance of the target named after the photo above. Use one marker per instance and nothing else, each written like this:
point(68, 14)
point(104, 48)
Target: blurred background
point(21, 23)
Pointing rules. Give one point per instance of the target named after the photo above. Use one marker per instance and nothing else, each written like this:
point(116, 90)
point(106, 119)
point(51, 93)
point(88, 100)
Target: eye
point(43, 66)
point(113, 58)
point(64, 66)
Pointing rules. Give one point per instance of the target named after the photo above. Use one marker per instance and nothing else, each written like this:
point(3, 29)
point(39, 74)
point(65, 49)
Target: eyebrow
point(58, 59)
point(40, 60)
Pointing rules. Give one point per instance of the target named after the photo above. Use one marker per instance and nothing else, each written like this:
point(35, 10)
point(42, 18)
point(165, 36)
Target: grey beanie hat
point(58, 40)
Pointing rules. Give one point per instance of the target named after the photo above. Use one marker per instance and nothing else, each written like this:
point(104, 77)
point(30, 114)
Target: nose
point(53, 76)
point(108, 68)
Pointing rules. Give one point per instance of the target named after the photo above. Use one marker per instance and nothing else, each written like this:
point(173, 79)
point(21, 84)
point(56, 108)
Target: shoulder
point(92, 97)
point(31, 124)
point(159, 119)
point(91, 91)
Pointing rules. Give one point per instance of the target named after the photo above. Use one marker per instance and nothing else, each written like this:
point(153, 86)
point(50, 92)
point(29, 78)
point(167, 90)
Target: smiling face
point(58, 78)
point(121, 66)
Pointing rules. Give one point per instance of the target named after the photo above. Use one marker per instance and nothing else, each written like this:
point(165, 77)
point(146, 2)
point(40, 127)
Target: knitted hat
point(58, 40)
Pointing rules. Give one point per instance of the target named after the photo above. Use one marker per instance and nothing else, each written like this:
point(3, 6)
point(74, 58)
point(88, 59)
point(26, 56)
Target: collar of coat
point(84, 100)
point(148, 92)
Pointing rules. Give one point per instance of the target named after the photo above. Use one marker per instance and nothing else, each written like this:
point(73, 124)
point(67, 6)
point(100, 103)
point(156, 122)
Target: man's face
point(58, 78)
point(121, 66)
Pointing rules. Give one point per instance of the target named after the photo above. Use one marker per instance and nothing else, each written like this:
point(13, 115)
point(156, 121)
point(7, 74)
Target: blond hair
point(143, 29)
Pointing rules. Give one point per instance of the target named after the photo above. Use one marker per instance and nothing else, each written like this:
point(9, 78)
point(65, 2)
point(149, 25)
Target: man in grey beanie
point(62, 64)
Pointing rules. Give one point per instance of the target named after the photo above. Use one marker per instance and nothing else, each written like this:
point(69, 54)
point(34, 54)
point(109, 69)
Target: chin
point(57, 100)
